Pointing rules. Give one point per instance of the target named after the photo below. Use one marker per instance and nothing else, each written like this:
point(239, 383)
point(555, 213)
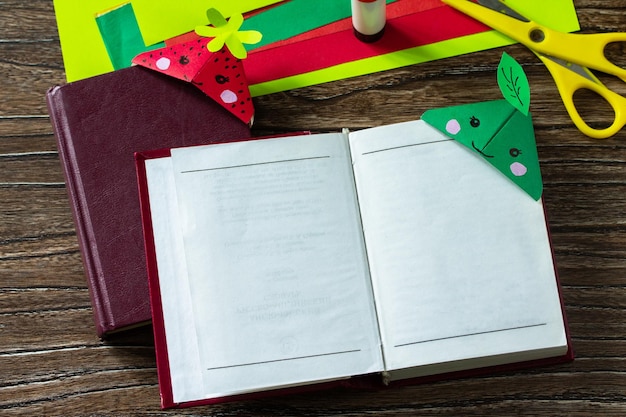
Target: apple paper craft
point(219, 74)
point(500, 131)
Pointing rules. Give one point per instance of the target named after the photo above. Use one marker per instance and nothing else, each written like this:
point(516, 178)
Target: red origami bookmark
point(219, 74)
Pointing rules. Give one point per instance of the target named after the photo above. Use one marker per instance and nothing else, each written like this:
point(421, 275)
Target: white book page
point(276, 263)
point(459, 255)
point(183, 356)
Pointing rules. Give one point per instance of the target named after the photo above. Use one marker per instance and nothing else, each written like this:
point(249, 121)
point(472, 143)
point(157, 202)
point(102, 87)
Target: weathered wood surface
point(52, 363)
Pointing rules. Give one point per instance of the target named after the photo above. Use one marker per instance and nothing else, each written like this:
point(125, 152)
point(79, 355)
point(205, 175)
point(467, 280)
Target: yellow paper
point(164, 19)
point(556, 14)
point(85, 55)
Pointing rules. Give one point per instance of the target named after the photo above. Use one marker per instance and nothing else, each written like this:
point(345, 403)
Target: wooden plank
point(17, 127)
point(31, 211)
point(50, 365)
point(37, 168)
point(53, 364)
point(50, 329)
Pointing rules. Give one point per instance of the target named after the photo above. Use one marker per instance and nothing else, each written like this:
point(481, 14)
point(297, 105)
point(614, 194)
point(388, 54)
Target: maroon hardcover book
point(99, 123)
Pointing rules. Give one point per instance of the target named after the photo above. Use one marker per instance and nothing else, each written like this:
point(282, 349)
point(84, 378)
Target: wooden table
point(52, 363)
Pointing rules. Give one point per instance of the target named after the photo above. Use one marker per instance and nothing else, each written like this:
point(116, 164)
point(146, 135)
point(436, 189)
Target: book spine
point(62, 131)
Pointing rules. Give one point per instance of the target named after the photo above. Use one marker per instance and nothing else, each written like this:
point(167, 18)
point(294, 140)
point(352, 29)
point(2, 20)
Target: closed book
point(99, 123)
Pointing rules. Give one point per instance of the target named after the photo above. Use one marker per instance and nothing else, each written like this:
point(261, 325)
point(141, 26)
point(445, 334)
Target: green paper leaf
point(215, 18)
point(513, 83)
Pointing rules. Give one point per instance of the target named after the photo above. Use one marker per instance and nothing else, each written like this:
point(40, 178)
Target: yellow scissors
point(567, 56)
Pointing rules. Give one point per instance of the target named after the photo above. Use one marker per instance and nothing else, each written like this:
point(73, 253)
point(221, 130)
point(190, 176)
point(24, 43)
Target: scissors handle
point(568, 82)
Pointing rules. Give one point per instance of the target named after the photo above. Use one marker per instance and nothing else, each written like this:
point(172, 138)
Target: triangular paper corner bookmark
point(499, 133)
point(218, 72)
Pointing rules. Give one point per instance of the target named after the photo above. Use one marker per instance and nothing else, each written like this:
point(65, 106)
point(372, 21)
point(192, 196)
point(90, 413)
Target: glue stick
point(368, 19)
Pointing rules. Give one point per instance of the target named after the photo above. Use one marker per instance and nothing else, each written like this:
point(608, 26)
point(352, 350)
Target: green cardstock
point(160, 20)
point(497, 132)
point(121, 35)
point(295, 17)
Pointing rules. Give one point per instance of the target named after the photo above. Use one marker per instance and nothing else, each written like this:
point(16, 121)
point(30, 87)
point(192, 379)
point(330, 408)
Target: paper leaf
point(228, 33)
point(215, 18)
point(513, 83)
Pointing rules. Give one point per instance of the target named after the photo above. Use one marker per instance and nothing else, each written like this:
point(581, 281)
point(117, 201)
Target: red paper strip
point(417, 29)
point(394, 10)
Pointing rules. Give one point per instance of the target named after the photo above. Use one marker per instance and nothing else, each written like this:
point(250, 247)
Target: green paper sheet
point(165, 19)
point(121, 35)
point(278, 23)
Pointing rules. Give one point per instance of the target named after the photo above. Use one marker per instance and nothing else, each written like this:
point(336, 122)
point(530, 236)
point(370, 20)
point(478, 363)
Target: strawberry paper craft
point(220, 75)
point(500, 131)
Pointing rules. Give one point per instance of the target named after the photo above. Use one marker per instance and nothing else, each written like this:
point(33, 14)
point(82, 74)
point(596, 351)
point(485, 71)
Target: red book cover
point(99, 123)
point(374, 381)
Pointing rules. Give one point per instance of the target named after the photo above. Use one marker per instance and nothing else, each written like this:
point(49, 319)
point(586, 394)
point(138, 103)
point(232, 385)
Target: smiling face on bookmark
point(500, 131)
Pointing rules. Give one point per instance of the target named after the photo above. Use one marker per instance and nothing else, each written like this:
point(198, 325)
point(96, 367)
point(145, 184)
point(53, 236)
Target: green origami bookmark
point(500, 131)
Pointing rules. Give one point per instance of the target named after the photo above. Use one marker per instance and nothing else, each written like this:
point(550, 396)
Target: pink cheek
point(228, 96)
point(518, 169)
point(453, 127)
point(163, 63)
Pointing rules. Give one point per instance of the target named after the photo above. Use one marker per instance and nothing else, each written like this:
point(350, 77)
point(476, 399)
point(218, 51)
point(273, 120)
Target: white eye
point(453, 127)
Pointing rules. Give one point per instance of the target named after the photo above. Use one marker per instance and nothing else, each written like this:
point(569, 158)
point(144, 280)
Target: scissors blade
point(578, 69)
point(510, 26)
point(498, 6)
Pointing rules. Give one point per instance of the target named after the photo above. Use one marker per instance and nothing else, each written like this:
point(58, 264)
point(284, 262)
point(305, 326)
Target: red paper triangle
point(218, 74)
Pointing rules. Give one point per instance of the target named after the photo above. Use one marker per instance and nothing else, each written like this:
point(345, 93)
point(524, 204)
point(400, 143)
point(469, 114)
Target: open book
point(297, 260)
